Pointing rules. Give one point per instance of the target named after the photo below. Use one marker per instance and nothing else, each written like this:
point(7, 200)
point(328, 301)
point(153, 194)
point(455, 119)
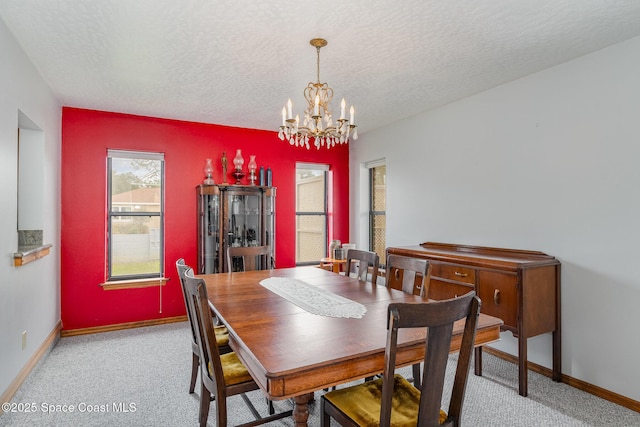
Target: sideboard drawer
point(499, 295)
point(454, 272)
point(440, 290)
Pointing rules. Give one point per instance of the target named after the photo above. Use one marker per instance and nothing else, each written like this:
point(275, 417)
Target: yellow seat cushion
point(222, 335)
point(233, 370)
point(361, 403)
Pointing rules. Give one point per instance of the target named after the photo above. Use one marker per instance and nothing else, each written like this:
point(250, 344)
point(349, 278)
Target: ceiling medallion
point(318, 122)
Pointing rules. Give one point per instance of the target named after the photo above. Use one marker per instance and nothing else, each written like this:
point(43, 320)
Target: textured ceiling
point(236, 62)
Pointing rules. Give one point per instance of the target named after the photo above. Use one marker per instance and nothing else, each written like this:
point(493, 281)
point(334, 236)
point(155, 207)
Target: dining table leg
point(301, 410)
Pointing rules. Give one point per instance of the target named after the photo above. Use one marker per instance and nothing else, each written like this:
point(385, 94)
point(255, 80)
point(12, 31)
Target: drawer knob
point(457, 273)
point(496, 296)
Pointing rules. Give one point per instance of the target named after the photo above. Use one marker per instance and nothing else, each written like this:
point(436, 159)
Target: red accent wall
point(86, 136)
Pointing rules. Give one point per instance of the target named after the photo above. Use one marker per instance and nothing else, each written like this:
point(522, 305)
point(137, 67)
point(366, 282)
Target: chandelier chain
point(318, 63)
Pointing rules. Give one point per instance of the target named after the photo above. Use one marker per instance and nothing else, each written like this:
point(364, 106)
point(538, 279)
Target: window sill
point(26, 254)
point(134, 283)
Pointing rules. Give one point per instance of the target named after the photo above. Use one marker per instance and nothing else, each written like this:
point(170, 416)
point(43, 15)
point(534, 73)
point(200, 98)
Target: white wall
point(30, 178)
point(29, 295)
point(549, 162)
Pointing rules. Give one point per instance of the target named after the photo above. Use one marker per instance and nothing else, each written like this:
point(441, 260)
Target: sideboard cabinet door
point(499, 295)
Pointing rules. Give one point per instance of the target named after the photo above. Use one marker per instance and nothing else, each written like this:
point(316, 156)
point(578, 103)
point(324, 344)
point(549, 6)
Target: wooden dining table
point(291, 352)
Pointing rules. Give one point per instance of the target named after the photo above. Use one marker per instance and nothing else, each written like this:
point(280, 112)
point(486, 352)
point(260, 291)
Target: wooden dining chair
point(410, 275)
point(362, 261)
point(249, 258)
point(392, 400)
point(221, 332)
point(221, 375)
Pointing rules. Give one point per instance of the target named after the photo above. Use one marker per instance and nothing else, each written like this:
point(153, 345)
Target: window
point(311, 213)
point(135, 215)
point(377, 210)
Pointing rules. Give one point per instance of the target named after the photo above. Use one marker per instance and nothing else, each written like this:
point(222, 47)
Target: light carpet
point(140, 377)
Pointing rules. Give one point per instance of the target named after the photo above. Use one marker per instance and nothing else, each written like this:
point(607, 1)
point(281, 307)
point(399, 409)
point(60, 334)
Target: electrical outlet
point(24, 340)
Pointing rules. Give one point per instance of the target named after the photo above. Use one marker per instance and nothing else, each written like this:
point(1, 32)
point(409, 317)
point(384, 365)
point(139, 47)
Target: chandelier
point(318, 122)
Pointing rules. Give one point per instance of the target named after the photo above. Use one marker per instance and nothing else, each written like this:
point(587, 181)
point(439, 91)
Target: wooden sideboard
point(520, 287)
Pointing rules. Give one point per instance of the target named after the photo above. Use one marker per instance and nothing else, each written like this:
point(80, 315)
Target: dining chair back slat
point(410, 275)
point(249, 258)
point(362, 263)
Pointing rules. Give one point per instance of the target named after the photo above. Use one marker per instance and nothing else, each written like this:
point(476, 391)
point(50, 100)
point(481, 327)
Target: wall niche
point(30, 191)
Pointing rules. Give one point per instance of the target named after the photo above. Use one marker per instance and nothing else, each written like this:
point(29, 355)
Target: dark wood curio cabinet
point(233, 215)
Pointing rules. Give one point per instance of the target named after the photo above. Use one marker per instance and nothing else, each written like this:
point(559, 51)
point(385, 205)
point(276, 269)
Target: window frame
point(372, 212)
point(118, 213)
point(325, 169)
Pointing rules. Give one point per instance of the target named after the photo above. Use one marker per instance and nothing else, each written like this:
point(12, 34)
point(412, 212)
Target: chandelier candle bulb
point(353, 113)
point(343, 104)
point(284, 116)
point(289, 109)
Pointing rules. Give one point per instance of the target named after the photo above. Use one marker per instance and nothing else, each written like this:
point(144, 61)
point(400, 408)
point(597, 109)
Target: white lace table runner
point(313, 299)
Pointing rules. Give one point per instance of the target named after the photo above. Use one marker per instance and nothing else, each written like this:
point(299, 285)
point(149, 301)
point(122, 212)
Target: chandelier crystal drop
point(318, 124)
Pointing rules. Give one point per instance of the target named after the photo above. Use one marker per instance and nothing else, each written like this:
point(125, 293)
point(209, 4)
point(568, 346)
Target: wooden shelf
point(134, 283)
point(26, 255)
